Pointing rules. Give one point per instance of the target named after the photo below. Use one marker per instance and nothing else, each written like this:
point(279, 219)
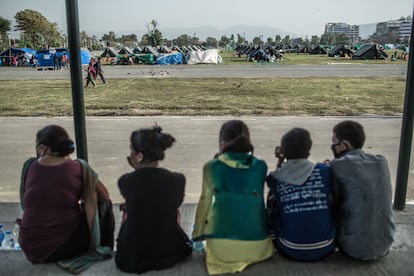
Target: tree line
point(37, 32)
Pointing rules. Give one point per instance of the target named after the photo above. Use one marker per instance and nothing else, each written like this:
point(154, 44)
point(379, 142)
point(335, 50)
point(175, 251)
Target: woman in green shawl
point(231, 213)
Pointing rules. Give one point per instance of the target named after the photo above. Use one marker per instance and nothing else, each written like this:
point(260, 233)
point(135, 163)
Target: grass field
point(223, 96)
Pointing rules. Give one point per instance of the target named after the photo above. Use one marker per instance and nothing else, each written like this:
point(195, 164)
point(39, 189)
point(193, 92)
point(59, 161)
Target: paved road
point(197, 141)
point(228, 71)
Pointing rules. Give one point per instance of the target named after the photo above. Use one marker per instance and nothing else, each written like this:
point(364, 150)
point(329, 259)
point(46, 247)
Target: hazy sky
point(295, 16)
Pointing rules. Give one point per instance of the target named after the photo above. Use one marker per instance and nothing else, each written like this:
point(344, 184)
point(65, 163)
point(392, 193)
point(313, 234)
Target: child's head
point(235, 137)
point(350, 131)
point(296, 144)
point(151, 143)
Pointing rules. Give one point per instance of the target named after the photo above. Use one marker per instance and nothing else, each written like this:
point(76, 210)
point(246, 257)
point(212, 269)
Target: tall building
point(352, 31)
point(404, 32)
point(401, 26)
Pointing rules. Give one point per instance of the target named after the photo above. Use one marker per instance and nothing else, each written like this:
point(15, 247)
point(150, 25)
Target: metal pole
point(406, 133)
point(76, 78)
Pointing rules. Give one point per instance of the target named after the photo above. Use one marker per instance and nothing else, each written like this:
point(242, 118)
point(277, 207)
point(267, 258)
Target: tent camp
point(210, 56)
point(173, 58)
point(24, 54)
point(340, 51)
point(318, 50)
point(45, 57)
point(370, 51)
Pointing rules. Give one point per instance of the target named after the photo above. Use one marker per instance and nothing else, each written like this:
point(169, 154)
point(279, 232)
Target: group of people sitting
point(311, 209)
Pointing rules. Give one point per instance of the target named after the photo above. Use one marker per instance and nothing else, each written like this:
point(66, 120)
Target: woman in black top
point(150, 237)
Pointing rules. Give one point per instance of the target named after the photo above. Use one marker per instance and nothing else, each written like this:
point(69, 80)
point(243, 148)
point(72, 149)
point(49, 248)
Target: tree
point(211, 42)
point(183, 40)
point(328, 39)
point(241, 40)
point(110, 39)
point(286, 40)
point(391, 37)
point(38, 31)
point(4, 28)
point(153, 35)
point(298, 41)
point(232, 40)
point(269, 41)
point(342, 38)
point(257, 41)
point(315, 40)
point(224, 41)
point(278, 40)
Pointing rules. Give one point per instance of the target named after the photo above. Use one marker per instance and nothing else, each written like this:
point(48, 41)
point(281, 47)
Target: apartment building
point(402, 26)
point(352, 31)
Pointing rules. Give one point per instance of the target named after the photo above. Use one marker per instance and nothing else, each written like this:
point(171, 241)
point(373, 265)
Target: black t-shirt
point(151, 231)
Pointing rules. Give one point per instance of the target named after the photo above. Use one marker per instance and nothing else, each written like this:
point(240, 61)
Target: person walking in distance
point(99, 71)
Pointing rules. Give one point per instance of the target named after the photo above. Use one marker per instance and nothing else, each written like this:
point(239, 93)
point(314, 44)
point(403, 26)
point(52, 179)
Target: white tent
point(210, 56)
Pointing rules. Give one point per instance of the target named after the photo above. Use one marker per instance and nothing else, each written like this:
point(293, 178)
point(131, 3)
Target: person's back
point(150, 237)
point(231, 211)
point(55, 225)
point(49, 223)
point(365, 219)
point(363, 191)
point(236, 187)
point(300, 214)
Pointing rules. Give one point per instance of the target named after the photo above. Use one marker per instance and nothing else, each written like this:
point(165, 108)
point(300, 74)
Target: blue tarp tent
point(45, 57)
point(24, 55)
point(174, 58)
point(258, 55)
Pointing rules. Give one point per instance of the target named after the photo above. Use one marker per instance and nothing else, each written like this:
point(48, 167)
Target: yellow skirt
point(230, 256)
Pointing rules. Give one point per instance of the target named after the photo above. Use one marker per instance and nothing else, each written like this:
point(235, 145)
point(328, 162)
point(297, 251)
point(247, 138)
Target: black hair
point(351, 131)
point(235, 136)
point(57, 139)
point(151, 142)
point(296, 144)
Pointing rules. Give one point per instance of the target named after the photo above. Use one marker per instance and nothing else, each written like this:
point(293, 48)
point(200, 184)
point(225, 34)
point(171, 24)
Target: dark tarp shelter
point(370, 51)
point(138, 50)
point(318, 50)
point(150, 50)
point(304, 49)
point(164, 49)
point(341, 51)
point(125, 51)
point(109, 52)
point(259, 55)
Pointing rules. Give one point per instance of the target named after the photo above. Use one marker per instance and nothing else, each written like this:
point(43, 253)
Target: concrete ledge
point(399, 262)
